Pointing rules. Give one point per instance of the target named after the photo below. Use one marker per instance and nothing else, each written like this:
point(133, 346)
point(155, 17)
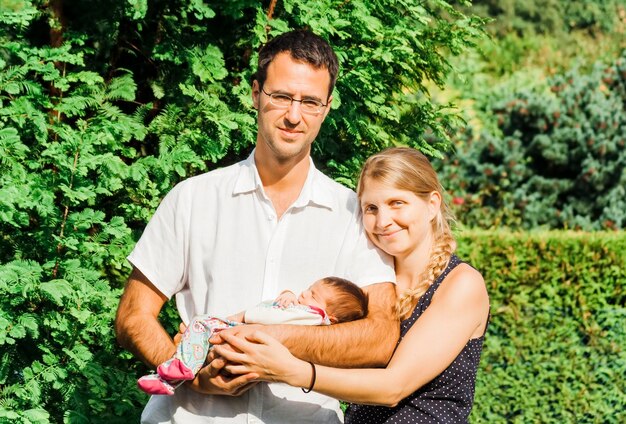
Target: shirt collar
point(315, 191)
point(248, 179)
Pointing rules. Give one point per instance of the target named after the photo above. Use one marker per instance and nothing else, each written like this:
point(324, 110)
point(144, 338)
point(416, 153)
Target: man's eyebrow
point(317, 99)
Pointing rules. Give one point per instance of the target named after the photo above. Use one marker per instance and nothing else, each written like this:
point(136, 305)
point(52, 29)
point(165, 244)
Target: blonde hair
point(407, 169)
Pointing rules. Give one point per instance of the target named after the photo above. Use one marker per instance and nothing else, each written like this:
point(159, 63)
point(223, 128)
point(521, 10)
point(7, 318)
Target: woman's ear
point(333, 319)
point(434, 204)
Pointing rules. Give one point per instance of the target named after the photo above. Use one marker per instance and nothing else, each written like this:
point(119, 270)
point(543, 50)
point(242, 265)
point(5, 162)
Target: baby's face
point(316, 295)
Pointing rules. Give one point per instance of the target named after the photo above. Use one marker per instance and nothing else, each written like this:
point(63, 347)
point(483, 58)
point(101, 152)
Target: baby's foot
point(175, 369)
point(155, 385)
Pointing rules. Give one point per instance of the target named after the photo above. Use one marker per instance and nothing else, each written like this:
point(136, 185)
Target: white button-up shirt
point(216, 244)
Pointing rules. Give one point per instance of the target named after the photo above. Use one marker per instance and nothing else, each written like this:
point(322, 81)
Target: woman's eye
point(369, 209)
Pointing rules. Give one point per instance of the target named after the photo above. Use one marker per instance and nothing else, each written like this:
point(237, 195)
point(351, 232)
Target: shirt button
point(271, 217)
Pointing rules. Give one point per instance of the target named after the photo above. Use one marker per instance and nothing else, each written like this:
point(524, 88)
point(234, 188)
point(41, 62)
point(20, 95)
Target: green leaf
point(201, 10)
point(12, 88)
point(9, 415)
point(157, 90)
point(37, 415)
point(121, 88)
point(208, 64)
point(17, 331)
point(4, 331)
point(57, 290)
point(138, 9)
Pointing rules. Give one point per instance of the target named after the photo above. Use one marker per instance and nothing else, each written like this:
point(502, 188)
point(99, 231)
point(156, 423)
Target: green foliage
point(556, 158)
point(104, 106)
point(526, 17)
point(399, 43)
point(555, 350)
point(510, 56)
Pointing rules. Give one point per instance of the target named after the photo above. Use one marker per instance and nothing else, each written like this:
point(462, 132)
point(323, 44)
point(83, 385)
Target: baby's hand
point(286, 298)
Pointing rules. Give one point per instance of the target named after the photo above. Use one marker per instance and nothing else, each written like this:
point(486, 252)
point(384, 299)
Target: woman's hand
point(210, 381)
point(259, 353)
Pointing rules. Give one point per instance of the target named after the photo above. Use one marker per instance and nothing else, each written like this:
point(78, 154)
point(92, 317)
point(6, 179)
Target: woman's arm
point(458, 312)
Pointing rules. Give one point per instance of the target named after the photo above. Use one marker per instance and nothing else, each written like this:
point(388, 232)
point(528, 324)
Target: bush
point(526, 17)
point(556, 158)
point(105, 105)
point(555, 349)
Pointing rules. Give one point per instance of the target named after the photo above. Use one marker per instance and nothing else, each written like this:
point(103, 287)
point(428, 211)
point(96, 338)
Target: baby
point(328, 301)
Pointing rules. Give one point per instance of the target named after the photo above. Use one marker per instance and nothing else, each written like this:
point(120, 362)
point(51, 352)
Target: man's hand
point(212, 379)
point(179, 336)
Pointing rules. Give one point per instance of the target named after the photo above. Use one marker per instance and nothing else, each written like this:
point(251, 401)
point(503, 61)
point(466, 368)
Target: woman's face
point(397, 221)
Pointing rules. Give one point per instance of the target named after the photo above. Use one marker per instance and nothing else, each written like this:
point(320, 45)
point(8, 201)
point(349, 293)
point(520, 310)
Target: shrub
point(555, 349)
point(556, 159)
point(526, 17)
point(105, 105)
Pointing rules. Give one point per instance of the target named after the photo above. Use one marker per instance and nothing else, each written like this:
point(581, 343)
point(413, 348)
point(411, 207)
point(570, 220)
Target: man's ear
point(256, 90)
point(327, 108)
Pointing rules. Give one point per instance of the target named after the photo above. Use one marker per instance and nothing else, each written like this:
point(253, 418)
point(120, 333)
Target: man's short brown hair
point(303, 46)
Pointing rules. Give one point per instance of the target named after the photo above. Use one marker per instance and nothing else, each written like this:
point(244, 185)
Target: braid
point(439, 257)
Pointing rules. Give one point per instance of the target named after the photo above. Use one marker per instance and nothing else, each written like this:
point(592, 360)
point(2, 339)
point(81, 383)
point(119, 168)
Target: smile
point(290, 133)
point(389, 233)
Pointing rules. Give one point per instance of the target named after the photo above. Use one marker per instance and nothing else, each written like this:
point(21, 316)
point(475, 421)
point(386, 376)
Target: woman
point(442, 301)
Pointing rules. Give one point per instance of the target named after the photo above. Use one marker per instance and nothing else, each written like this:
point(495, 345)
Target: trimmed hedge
point(555, 349)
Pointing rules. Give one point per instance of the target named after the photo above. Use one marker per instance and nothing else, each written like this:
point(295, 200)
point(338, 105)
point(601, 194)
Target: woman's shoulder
point(463, 284)
point(463, 295)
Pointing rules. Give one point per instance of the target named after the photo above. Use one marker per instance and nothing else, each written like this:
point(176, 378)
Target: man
point(227, 239)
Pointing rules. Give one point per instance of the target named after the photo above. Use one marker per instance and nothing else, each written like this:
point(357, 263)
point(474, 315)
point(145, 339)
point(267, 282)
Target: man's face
point(287, 134)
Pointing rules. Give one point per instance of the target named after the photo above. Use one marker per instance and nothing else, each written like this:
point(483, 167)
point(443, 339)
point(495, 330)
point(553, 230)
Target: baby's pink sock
point(155, 385)
point(175, 369)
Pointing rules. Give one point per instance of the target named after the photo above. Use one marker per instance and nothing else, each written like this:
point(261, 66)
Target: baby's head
point(341, 299)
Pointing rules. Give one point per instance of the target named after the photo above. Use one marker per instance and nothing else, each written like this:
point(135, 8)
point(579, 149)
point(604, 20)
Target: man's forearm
point(368, 342)
point(136, 324)
point(146, 339)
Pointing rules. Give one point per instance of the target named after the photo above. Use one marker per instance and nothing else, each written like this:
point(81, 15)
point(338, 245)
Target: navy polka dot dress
point(448, 398)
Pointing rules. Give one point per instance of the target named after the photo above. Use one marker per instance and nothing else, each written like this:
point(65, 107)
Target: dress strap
point(426, 298)
point(452, 263)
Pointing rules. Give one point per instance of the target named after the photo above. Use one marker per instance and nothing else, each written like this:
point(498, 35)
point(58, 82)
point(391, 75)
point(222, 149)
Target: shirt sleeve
point(366, 264)
point(160, 254)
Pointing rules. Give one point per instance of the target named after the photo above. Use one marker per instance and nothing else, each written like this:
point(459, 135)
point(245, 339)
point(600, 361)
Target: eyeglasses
point(283, 101)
